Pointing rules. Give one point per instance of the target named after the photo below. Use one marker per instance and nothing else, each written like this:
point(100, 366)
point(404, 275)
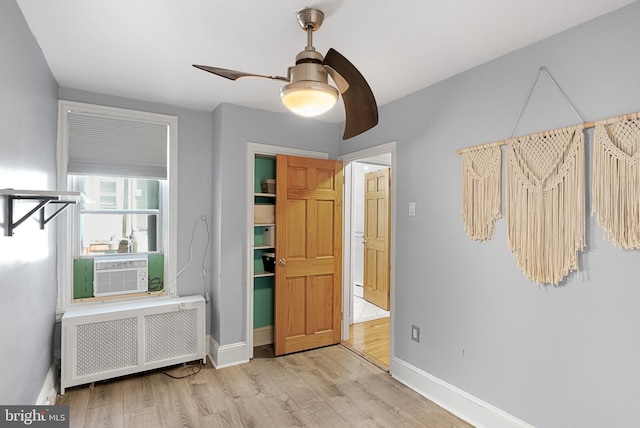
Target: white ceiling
point(143, 49)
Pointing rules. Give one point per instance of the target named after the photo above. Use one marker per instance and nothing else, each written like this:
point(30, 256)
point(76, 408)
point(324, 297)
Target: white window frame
point(67, 226)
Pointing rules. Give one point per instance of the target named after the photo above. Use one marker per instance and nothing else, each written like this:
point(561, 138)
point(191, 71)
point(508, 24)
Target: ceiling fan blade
point(359, 103)
point(235, 75)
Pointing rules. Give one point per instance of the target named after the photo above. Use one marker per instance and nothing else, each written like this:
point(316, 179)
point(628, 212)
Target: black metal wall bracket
point(43, 200)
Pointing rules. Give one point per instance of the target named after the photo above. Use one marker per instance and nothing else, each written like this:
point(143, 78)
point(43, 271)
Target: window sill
point(123, 298)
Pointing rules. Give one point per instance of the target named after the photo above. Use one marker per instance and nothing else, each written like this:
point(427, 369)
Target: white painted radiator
point(109, 340)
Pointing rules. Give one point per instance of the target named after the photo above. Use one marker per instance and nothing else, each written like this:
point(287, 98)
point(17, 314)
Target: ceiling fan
point(307, 92)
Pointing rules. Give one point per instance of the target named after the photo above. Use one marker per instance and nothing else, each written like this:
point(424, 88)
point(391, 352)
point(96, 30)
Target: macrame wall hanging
point(616, 179)
point(545, 196)
point(545, 205)
point(545, 202)
point(481, 190)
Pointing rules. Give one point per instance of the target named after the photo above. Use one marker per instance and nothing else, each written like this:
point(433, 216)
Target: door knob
point(282, 261)
point(364, 241)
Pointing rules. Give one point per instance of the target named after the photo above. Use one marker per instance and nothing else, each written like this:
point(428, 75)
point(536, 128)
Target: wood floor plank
point(142, 418)
point(139, 392)
point(105, 407)
point(110, 415)
point(352, 414)
point(105, 393)
point(327, 387)
point(200, 395)
point(371, 339)
point(78, 403)
point(219, 399)
point(174, 402)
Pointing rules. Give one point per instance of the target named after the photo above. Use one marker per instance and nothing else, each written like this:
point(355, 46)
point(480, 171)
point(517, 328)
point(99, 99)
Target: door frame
point(254, 149)
point(347, 248)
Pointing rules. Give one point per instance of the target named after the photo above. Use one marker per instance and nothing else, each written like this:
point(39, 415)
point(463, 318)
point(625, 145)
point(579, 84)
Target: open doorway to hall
point(367, 263)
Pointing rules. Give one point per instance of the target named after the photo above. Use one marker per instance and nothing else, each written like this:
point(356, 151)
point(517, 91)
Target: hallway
point(365, 311)
point(369, 335)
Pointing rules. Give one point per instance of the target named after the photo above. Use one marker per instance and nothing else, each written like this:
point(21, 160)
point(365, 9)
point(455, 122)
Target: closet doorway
point(368, 253)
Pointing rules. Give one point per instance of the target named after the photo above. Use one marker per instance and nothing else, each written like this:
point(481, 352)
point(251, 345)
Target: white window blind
point(114, 146)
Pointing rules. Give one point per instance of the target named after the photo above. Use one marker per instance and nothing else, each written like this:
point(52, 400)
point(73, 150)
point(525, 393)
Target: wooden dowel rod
point(586, 125)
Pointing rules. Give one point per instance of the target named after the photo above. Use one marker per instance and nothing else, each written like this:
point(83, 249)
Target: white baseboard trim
point(227, 355)
point(48, 392)
point(462, 404)
point(263, 335)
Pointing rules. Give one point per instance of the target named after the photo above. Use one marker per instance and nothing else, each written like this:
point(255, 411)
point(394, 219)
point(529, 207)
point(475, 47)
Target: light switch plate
point(415, 333)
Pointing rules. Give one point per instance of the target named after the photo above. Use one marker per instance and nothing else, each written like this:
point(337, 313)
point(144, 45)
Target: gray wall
point(28, 123)
point(240, 125)
point(561, 356)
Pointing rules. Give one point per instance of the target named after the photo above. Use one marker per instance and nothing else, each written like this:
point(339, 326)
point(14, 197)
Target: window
point(123, 162)
point(107, 195)
point(118, 214)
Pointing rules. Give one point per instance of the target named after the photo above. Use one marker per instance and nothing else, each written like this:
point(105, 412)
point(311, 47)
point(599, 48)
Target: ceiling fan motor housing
point(308, 68)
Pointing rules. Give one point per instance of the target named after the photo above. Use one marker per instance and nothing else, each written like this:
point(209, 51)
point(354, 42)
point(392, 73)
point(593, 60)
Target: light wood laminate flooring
point(326, 387)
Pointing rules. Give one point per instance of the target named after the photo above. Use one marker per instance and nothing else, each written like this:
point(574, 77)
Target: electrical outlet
point(415, 333)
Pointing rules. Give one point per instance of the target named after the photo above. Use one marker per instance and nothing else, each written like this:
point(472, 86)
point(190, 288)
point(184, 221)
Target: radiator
point(109, 340)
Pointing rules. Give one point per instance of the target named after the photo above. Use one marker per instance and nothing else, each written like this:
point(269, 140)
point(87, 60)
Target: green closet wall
point(263, 286)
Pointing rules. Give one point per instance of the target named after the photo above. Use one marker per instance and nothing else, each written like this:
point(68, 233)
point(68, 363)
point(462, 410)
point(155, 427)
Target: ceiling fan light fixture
point(308, 98)
point(308, 93)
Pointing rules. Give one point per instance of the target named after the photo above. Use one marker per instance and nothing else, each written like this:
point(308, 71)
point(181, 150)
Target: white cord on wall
point(203, 218)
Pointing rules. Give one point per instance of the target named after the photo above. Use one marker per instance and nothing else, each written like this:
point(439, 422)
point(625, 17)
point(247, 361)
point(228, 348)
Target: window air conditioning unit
point(116, 275)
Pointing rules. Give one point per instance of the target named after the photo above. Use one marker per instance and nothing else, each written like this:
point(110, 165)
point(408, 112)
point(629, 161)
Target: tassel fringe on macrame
point(546, 203)
point(616, 179)
point(481, 191)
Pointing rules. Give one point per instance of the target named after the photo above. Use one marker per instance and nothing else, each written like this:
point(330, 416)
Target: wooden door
point(308, 289)
point(376, 238)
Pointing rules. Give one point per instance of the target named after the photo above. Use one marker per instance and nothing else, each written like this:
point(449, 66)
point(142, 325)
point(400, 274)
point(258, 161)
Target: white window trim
point(67, 226)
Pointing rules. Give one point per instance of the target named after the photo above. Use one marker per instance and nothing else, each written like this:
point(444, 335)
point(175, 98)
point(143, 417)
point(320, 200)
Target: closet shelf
point(42, 197)
point(264, 247)
point(263, 274)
